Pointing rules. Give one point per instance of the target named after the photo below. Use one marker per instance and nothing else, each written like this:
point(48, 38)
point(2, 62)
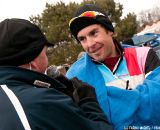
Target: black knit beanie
point(20, 42)
point(78, 22)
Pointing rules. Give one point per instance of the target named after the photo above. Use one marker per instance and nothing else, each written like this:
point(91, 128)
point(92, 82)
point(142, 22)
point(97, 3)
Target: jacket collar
point(17, 74)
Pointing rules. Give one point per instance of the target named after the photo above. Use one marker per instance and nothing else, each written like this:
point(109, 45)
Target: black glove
point(83, 92)
point(76, 89)
point(69, 88)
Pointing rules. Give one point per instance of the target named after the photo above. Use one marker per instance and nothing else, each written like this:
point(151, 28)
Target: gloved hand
point(76, 89)
point(82, 91)
point(69, 88)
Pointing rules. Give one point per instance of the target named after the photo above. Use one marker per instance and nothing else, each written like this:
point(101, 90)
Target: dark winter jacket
point(45, 108)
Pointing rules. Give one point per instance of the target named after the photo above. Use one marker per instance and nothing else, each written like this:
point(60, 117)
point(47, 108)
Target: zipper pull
point(127, 84)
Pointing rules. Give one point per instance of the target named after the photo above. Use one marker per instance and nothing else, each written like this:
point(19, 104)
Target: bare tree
point(155, 13)
point(149, 16)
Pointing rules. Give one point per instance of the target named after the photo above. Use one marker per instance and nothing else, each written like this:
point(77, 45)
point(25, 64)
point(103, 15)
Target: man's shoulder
point(75, 68)
point(80, 62)
point(79, 66)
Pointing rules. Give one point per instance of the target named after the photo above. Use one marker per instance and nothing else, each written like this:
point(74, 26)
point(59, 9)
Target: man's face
point(97, 42)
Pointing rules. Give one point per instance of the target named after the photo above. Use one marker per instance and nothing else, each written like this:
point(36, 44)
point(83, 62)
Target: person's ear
point(33, 65)
point(110, 33)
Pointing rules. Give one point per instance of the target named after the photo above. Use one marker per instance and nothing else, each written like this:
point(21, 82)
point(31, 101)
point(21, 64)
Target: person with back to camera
point(126, 80)
point(30, 99)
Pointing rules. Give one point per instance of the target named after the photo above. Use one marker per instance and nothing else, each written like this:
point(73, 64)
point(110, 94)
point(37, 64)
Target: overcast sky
point(26, 8)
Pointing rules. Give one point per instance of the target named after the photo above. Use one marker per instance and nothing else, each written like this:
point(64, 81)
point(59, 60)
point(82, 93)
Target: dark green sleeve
point(94, 112)
point(91, 108)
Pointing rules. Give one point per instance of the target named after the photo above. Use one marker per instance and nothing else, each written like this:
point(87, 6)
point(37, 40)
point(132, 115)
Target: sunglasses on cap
point(90, 14)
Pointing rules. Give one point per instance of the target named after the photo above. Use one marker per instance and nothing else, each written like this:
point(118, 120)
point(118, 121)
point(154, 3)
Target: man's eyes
point(93, 32)
point(81, 38)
